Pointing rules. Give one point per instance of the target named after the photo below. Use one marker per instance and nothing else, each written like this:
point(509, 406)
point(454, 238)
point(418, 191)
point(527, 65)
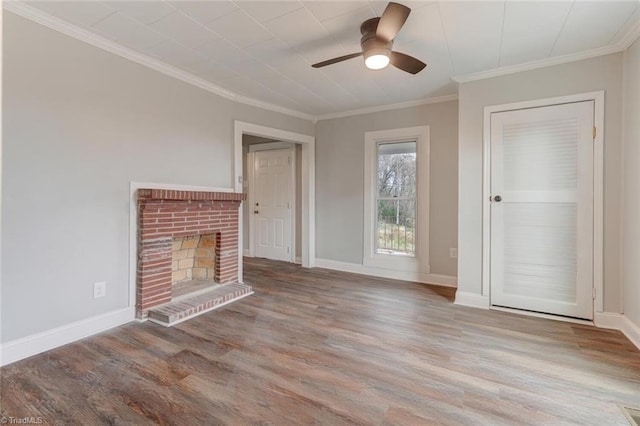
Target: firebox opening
point(192, 264)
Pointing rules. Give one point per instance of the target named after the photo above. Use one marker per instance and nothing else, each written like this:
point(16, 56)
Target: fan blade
point(407, 63)
point(392, 19)
point(335, 60)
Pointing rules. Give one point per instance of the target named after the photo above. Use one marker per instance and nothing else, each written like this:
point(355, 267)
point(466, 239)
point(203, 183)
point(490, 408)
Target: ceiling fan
point(377, 42)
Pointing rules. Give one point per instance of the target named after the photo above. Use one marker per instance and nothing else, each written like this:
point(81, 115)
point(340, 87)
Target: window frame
point(420, 261)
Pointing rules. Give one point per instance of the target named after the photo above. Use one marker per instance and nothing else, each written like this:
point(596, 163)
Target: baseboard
point(631, 330)
point(25, 347)
point(608, 320)
point(246, 253)
point(472, 300)
point(618, 322)
point(356, 268)
point(298, 260)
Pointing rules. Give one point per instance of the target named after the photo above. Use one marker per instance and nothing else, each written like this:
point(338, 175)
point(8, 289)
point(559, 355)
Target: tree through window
point(396, 198)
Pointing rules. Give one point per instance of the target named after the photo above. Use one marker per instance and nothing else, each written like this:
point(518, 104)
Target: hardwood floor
point(324, 347)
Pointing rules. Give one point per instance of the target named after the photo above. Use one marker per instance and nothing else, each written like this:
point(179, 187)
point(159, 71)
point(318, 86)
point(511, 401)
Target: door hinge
point(594, 293)
point(288, 204)
point(288, 249)
point(595, 132)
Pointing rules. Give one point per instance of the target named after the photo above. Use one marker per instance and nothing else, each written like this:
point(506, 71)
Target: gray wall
point(631, 184)
point(79, 125)
point(601, 73)
point(340, 181)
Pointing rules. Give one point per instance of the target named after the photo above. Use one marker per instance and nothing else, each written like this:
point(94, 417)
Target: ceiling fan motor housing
point(370, 43)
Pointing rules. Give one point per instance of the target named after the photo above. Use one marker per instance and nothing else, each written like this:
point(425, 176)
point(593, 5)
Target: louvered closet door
point(542, 209)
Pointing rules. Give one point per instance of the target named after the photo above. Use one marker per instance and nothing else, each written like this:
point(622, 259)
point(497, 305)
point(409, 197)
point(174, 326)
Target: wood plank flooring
point(324, 347)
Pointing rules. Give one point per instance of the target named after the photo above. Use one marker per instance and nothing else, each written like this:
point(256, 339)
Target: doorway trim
point(308, 237)
point(598, 186)
point(251, 192)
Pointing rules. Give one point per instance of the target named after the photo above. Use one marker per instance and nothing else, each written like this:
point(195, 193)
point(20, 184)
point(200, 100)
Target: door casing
point(598, 186)
point(308, 184)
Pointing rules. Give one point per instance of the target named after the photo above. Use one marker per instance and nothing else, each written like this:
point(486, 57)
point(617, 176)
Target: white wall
point(340, 181)
point(79, 125)
point(601, 73)
point(631, 185)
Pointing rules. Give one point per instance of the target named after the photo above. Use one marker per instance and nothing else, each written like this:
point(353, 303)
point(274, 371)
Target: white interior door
point(272, 203)
point(542, 209)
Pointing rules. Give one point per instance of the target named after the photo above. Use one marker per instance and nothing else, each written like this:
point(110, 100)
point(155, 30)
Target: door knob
point(497, 198)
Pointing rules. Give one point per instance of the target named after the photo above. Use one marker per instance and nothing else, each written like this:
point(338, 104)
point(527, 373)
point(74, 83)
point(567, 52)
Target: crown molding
point(542, 63)
point(20, 8)
point(630, 35)
point(388, 107)
point(42, 18)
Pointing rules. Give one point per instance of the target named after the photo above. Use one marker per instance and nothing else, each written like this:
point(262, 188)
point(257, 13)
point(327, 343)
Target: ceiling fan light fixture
point(376, 43)
point(376, 60)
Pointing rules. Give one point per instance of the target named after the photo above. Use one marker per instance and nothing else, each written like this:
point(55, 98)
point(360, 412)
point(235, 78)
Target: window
point(396, 196)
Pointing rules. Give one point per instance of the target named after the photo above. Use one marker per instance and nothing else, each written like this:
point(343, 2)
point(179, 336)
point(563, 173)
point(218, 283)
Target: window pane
point(396, 225)
point(397, 169)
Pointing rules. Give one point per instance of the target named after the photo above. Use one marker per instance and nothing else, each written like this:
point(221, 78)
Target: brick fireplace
point(192, 218)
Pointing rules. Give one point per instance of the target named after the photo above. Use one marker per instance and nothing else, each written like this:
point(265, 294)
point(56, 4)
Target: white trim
point(388, 107)
point(298, 260)
point(420, 262)
point(610, 320)
point(623, 44)
point(294, 203)
point(598, 201)
point(133, 225)
point(43, 18)
point(25, 347)
point(598, 184)
point(620, 322)
point(541, 315)
point(472, 300)
point(246, 253)
point(249, 170)
point(356, 268)
point(631, 330)
point(308, 182)
point(630, 36)
point(270, 146)
point(1, 151)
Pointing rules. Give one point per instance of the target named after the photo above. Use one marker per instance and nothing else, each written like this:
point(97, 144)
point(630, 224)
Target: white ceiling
point(264, 49)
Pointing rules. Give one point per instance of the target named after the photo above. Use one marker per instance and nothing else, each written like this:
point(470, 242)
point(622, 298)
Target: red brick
point(166, 214)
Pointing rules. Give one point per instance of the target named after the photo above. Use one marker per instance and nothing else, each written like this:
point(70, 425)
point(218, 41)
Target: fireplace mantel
point(174, 195)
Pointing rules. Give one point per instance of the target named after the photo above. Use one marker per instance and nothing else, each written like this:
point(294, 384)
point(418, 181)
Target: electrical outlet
point(99, 289)
point(453, 253)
